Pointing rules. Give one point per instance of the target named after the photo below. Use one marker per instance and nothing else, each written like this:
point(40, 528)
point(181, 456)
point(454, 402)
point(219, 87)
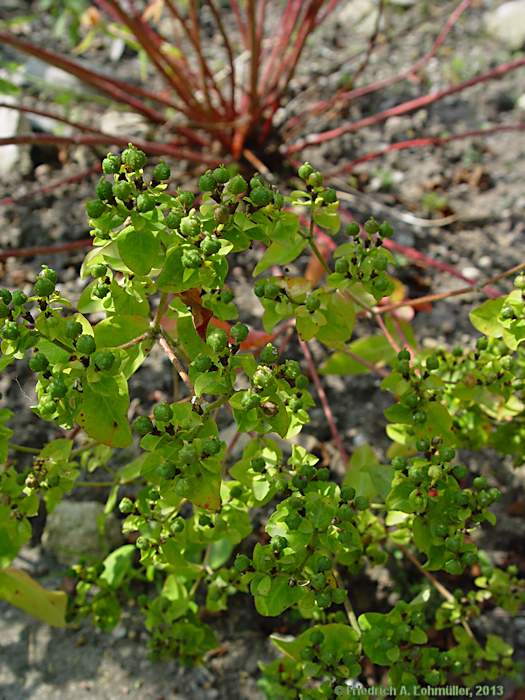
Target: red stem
point(403, 108)
point(229, 51)
point(422, 142)
point(52, 186)
point(324, 401)
point(45, 249)
point(158, 149)
point(344, 97)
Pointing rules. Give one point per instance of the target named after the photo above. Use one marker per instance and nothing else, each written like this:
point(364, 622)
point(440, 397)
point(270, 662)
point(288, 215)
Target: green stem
point(352, 619)
point(24, 448)
point(95, 484)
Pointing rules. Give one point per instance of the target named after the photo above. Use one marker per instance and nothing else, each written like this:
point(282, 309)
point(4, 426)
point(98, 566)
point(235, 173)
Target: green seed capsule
point(98, 270)
point(269, 354)
point(250, 400)
point(221, 175)
point(145, 202)
point(211, 446)
point(85, 345)
point(161, 172)
point(6, 296)
point(239, 332)
point(191, 259)
point(237, 185)
point(173, 219)
point(341, 266)
point(39, 363)
point(271, 290)
point(57, 389)
point(261, 196)
point(312, 303)
point(126, 505)
point(386, 230)
point(111, 164)
point(95, 208)
point(210, 246)
point(103, 359)
point(371, 226)
point(305, 170)
point(353, 229)
point(100, 290)
point(186, 199)
point(217, 340)
point(133, 158)
point(43, 287)
point(104, 189)
point(142, 425)
point(202, 363)
point(72, 329)
point(190, 226)
point(187, 454)
point(162, 412)
point(329, 196)
point(122, 190)
point(207, 182)
point(432, 362)
point(315, 179)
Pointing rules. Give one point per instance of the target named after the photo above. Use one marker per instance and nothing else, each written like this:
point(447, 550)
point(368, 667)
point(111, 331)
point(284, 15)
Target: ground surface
point(478, 183)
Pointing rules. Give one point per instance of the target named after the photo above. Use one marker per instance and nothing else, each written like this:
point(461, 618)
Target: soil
point(461, 204)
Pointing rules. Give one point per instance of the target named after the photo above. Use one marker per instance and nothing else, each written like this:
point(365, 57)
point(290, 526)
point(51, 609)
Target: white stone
point(359, 16)
point(507, 23)
point(72, 532)
point(9, 122)
point(521, 102)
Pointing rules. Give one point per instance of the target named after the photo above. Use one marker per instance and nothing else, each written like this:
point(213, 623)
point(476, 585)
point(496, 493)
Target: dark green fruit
point(341, 266)
point(210, 246)
point(301, 382)
point(432, 362)
point(39, 363)
point(371, 226)
point(211, 446)
point(122, 190)
point(239, 332)
point(133, 158)
point(241, 563)
point(305, 170)
point(269, 354)
point(95, 208)
point(72, 329)
point(323, 599)
point(126, 506)
point(259, 288)
point(191, 259)
point(43, 287)
point(187, 454)
point(347, 493)
point(237, 491)
point(262, 377)
point(227, 296)
point(186, 198)
point(142, 425)
point(111, 164)
point(422, 445)
point(258, 464)
point(161, 172)
point(205, 520)
point(173, 219)
point(99, 270)
point(353, 229)
point(271, 290)
point(162, 412)
point(261, 196)
point(361, 502)
point(85, 344)
point(190, 226)
point(237, 185)
point(221, 174)
point(447, 454)
point(207, 182)
point(57, 389)
point(100, 290)
point(250, 401)
point(312, 303)
point(480, 482)
point(403, 355)
point(385, 230)
point(6, 296)
point(145, 202)
point(168, 470)
point(177, 525)
point(315, 179)
point(202, 363)
point(104, 189)
point(11, 331)
point(19, 298)
point(399, 463)
point(217, 339)
point(329, 196)
point(103, 359)
point(453, 567)
point(419, 417)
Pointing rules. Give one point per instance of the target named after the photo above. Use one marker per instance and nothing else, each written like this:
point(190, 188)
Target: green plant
point(187, 502)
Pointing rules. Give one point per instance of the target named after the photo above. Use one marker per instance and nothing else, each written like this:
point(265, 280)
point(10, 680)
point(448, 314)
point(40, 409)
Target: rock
point(9, 122)
point(521, 102)
point(72, 532)
point(507, 24)
point(360, 15)
point(115, 122)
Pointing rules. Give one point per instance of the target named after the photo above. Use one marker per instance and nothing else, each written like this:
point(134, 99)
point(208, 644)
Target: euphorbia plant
point(159, 275)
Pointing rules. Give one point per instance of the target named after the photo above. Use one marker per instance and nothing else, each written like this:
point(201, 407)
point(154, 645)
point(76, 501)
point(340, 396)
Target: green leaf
point(278, 596)
point(117, 330)
point(140, 250)
point(485, 317)
point(340, 320)
point(19, 589)
point(8, 88)
point(328, 218)
point(374, 349)
point(117, 564)
point(173, 278)
point(220, 552)
point(103, 411)
point(367, 475)
point(5, 433)
point(280, 253)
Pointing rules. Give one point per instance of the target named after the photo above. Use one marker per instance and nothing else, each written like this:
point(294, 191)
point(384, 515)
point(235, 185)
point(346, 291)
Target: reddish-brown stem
point(165, 343)
point(386, 332)
point(324, 401)
point(135, 341)
point(46, 189)
point(403, 108)
point(240, 22)
point(45, 249)
point(229, 51)
point(287, 24)
point(116, 89)
point(429, 298)
point(49, 115)
point(381, 371)
point(157, 149)
point(347, 96)
point(423, 142)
